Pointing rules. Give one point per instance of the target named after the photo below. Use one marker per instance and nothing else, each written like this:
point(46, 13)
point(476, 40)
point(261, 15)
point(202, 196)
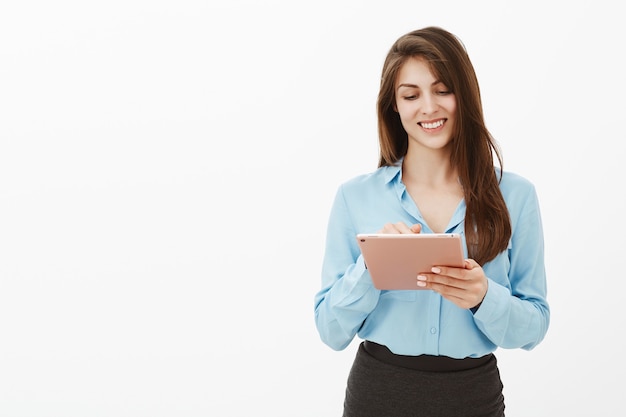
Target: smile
point(433, 125)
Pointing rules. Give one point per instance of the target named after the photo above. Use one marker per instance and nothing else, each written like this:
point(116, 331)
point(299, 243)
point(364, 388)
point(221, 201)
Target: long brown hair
point(487, 223)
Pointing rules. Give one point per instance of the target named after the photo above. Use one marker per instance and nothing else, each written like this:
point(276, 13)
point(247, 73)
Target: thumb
point(470, 264)
point(416, 228)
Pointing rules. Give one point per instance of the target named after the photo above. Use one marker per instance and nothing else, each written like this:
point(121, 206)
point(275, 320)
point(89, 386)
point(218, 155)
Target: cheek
point(405, 118)
point(405, 110)
point(451, 107)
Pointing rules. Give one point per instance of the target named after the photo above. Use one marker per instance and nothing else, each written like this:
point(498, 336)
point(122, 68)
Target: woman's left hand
point(465, 287)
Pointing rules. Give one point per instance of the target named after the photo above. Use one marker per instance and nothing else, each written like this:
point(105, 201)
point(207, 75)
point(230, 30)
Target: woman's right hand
point(400, 228)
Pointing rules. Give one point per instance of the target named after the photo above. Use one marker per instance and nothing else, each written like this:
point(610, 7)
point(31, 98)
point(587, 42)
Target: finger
point(458, 273)
point(471, 264)
point(398, 227)
point(403, 228)
point(459, 301)
point(416, 228)
point(445, 286)
point(461, 297)
point(389, 228)
point(442, 283)
point(422, 281)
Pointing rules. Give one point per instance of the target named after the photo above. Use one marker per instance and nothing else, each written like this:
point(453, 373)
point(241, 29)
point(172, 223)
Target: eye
point(444, 92)
point(411, 97)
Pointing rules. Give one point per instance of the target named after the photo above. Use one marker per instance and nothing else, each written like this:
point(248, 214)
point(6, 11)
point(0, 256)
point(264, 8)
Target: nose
point(429, 104)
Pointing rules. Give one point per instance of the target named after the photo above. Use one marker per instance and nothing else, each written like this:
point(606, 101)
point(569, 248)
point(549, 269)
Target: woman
point(430, 353)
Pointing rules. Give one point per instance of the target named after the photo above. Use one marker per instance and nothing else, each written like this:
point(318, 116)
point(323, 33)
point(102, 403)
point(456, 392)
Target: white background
point(167, 169)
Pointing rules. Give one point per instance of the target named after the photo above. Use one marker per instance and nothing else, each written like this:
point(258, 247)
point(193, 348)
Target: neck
point(433, 169)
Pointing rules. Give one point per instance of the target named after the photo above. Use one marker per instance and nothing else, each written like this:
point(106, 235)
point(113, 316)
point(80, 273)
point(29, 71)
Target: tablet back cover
point(395, 260)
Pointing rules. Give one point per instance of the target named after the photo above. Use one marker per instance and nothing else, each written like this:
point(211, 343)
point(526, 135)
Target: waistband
point(427, 363)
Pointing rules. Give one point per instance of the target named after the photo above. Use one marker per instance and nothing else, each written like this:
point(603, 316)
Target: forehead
point(415, 71)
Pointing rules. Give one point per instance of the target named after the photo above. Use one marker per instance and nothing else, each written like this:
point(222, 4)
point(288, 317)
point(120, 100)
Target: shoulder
point(373, 180)
point(516, 189)
point(513, 181)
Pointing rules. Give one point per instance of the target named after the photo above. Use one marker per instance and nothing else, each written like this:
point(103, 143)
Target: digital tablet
point(395, 260)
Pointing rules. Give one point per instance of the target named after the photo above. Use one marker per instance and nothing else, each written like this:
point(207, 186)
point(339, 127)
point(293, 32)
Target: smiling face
point(426, 106)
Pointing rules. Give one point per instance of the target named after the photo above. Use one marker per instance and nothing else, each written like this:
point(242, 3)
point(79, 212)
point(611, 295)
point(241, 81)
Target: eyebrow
point(415, 86)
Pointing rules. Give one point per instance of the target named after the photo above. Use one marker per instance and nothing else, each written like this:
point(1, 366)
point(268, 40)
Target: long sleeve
point(515, 312)
point(347, 295)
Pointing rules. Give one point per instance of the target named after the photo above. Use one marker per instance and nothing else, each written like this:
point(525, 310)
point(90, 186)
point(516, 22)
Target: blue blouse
point(514, 313)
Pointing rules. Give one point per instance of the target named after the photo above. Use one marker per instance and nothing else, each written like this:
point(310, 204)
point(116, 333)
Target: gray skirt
point(377, 388)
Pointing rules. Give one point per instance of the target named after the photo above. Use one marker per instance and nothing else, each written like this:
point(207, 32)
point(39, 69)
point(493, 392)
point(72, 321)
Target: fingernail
point(421, 277)
point(435, 270)
point(421, 284)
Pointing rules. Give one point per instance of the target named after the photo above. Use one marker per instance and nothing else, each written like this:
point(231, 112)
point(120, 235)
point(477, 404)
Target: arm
point(347, 295)
point(517, 315)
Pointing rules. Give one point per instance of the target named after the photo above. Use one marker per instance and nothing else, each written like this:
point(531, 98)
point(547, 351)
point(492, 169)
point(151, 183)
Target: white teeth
point(432, 125)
